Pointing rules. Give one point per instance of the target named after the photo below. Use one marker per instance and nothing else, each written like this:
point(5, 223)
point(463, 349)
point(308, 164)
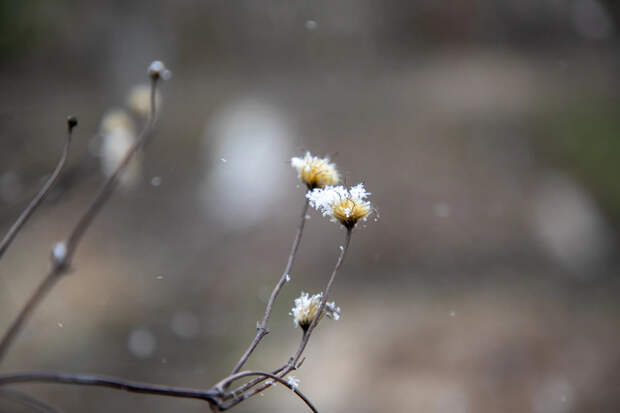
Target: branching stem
point(60, 268)
point(261, 328)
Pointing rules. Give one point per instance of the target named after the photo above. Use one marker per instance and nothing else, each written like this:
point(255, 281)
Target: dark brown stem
point(61, 263)
point(262, 330)
point(40, 197)
point(111, 382)
point(237, 376)
point(244, 387)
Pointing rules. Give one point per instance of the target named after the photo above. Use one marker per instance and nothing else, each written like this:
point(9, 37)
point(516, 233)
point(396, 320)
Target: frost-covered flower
point(139, 100)
point(342, 205)
point(306, 308)
point(118, 136)
point(315, 172)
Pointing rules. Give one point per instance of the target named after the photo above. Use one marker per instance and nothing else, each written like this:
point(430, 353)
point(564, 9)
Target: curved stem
point(237, 376)
point(262, 327)
point(110, 382)
point(41, 195)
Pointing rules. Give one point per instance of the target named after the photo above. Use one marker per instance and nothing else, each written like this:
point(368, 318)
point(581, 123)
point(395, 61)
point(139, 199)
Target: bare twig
point(294, 361)
point(46, 285)
point(315, 321)
point(62, 258)
point(28, 400)
point(239, 390)
point(40, 197)
point(221, 385)
point(262, 330)
point(111, 382)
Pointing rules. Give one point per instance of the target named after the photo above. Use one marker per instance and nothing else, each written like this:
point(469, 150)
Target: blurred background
point(488, 133)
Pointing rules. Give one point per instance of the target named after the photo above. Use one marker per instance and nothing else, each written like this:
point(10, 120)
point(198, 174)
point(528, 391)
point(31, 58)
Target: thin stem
point(241, 389)
point(62, 266)
point(40, 197)
point(110, 184)
point(46, 285)
point(111, 382)
point(237, 376)
point(262, 326)
point(315, 321)
point(293, 362)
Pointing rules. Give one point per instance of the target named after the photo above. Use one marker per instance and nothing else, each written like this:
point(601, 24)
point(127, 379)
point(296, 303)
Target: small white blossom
point(315, 172)
point(342, 205)
point(293, 382)
point(307, 307)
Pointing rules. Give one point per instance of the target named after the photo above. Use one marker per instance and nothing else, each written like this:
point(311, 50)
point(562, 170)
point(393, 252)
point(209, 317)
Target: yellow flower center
point(348, 212)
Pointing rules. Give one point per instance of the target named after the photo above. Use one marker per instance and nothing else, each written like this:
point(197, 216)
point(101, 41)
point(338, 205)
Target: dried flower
point(306, 308)
point(315, 172)
point(342, 205)
point(139, 100)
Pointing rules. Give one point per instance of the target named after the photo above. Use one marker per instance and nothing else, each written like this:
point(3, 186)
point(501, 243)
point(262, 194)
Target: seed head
point(315, 172)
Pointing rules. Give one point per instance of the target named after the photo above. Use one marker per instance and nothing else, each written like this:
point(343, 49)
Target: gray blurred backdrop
point(487, 131)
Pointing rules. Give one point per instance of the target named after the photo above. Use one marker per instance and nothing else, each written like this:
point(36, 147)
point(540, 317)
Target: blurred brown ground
point(488, 133)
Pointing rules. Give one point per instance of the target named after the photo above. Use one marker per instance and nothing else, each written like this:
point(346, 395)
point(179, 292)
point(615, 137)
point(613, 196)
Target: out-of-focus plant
point(120, 154)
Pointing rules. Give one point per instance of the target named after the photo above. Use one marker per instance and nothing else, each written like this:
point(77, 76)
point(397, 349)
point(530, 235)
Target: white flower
point(293, 382)
point(315, 172)
point(306, 308)
point(342, 205)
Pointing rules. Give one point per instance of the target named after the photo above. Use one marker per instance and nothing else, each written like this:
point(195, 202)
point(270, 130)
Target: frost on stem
point(293, 382)
point(59, 255)
point(306, 308)
point(346, 206)
point(315, 172)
